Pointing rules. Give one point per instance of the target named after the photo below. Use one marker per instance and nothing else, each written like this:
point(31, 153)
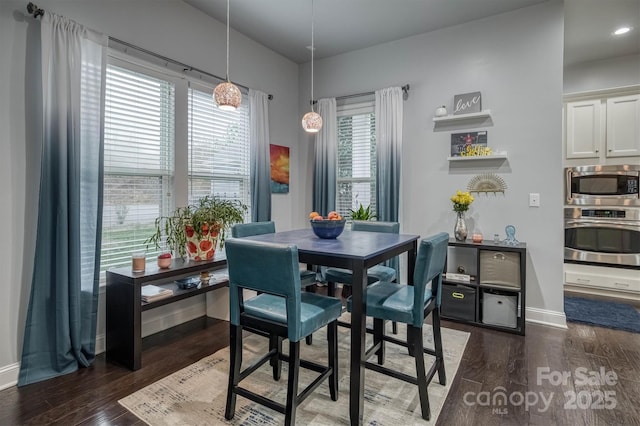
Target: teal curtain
point(260, 172)
point(388, 111)
point(60, 327)
point(326, 158)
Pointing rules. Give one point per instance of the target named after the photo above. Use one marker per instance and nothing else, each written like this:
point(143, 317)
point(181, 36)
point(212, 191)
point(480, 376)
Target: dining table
point(356, 251)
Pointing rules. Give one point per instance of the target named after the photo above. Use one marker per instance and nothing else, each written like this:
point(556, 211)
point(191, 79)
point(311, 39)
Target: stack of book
point(151, 293)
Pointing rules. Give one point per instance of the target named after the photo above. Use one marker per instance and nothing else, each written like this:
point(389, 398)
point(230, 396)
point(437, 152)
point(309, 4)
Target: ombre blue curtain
point(388, 111)
point(60, 329)
point(326, 158)
point(260, 173)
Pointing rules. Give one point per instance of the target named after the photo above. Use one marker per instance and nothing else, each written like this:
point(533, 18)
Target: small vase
point(460, 230)
point(441, 111)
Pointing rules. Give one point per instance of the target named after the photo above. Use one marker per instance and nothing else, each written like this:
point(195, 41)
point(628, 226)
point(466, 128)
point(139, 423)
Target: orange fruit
point(318, 217)
point(313, 214)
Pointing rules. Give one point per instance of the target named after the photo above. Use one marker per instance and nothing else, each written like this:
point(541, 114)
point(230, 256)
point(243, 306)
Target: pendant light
point(226, 94)
point(312, 121)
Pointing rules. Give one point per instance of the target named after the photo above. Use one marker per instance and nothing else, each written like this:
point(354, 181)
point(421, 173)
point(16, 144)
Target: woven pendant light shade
point(227, 96)
point(312, 122)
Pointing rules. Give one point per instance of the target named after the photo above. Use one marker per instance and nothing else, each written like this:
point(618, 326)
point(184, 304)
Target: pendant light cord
point(312, 49)
point(227, 40)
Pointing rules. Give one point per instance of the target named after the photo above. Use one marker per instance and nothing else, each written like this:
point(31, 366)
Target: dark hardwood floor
point(493, 362)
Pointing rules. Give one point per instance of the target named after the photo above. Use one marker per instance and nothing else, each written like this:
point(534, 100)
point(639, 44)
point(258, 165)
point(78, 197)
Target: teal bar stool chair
point(411, 304)
point(375, 273)
point(240, 230)
point(281, 310)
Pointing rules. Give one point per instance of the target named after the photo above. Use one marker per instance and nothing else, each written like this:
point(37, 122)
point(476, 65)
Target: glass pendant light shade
point(227, 96)
point(312, 122)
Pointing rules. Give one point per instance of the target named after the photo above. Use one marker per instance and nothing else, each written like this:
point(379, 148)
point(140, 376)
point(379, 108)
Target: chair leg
point(275, 342)
point(331, 289)
point(292, 386)
point(309, 339)
point(235, 348)
point(394, 327)
point(378, 337)
point(332, 332)
point(437, 342)
point(414, 338)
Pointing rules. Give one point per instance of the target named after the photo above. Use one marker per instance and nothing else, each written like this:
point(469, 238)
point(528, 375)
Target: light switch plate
point(534, 200)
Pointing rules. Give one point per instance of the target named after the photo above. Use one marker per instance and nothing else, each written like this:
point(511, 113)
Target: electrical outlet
point(534, 200)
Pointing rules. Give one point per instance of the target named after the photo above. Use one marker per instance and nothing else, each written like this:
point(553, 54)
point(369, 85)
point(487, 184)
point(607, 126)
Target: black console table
point(124, 305)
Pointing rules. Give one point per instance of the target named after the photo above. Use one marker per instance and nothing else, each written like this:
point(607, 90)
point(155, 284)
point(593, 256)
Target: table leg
point(358, 333)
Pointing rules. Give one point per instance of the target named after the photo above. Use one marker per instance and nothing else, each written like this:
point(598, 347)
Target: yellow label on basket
point(457, 295)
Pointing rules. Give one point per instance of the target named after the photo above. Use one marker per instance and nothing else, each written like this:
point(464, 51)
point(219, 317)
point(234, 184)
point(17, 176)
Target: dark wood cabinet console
point(494, 297)
point(124, 305)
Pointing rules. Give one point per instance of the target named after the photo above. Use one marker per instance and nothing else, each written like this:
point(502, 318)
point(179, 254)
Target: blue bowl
point(328, 229)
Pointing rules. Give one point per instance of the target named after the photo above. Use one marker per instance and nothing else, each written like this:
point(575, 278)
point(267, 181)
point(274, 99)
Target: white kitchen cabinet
point(603, 128)
point(623, 126)
point(584, 129)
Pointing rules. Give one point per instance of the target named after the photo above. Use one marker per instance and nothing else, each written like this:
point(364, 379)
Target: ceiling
point(345, 25)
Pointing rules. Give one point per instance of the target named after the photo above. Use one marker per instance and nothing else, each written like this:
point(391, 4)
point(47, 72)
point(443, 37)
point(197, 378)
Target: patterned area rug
point(196, 395)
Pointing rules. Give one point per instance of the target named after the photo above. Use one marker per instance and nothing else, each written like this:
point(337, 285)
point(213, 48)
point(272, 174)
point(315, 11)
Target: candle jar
point(138, 260)
point(476, 238)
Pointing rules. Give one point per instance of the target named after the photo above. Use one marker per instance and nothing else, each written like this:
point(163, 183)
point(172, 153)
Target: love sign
point(467, 103)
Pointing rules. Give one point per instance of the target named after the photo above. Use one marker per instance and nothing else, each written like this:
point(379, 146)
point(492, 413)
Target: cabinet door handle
point(499, 256)
point(597, 150)
point(582, 280)
point(617, 284)
point(457, 295)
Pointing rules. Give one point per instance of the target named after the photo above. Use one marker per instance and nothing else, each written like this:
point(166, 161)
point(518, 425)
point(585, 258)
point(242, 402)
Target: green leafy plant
point(210, 215)
point(362, 213)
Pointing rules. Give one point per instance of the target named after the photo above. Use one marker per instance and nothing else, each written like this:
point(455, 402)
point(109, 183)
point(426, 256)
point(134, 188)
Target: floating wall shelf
point(497, 156)
point(462, 117)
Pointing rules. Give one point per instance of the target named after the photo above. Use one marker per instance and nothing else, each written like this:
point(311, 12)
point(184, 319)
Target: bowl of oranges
point(329, 227)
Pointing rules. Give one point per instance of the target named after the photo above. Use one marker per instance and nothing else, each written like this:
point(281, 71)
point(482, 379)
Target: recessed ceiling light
point(621, 30)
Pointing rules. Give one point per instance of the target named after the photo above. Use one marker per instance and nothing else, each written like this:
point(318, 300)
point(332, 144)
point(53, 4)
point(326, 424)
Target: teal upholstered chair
point(240, 230)
point(375, 273)
point(411, 304)
point(284, 312)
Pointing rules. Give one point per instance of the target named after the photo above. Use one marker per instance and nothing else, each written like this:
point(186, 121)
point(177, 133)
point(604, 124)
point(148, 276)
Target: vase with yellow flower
point(461, 202)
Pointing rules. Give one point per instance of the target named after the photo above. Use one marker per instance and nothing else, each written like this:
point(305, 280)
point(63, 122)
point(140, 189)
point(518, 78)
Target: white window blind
point(219, 158)
point(356, 178)
point(139, 138)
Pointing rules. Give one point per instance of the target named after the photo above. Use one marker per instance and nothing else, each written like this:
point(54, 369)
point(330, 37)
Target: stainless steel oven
point(603, 185)
point(602, 235)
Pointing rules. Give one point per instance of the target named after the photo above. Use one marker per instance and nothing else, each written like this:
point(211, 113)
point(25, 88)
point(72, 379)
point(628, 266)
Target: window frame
point(346, 110)
point(179, 181)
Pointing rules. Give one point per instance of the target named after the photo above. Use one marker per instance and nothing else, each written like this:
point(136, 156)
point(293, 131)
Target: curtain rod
point(35, 11)
point(405, 91)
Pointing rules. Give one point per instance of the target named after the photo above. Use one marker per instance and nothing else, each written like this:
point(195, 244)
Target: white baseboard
point(545, 317)
point(9, 375)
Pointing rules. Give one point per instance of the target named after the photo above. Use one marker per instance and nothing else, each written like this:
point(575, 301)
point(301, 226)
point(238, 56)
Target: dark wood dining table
point(356, 251)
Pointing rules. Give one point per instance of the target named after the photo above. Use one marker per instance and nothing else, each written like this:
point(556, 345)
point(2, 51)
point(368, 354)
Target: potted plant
point(196, 229)
point(362, 213)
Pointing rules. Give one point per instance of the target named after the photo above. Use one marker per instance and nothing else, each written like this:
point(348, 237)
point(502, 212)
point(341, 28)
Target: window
point(218, 149)
point(158, 154)
point(138, 160)
point(356, 178)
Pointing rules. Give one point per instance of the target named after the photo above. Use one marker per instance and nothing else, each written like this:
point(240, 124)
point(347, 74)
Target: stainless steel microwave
point(602, 185)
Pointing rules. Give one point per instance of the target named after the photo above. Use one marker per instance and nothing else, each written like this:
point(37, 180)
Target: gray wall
point(606, 74)
point(170, 28)
point(515, 60)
